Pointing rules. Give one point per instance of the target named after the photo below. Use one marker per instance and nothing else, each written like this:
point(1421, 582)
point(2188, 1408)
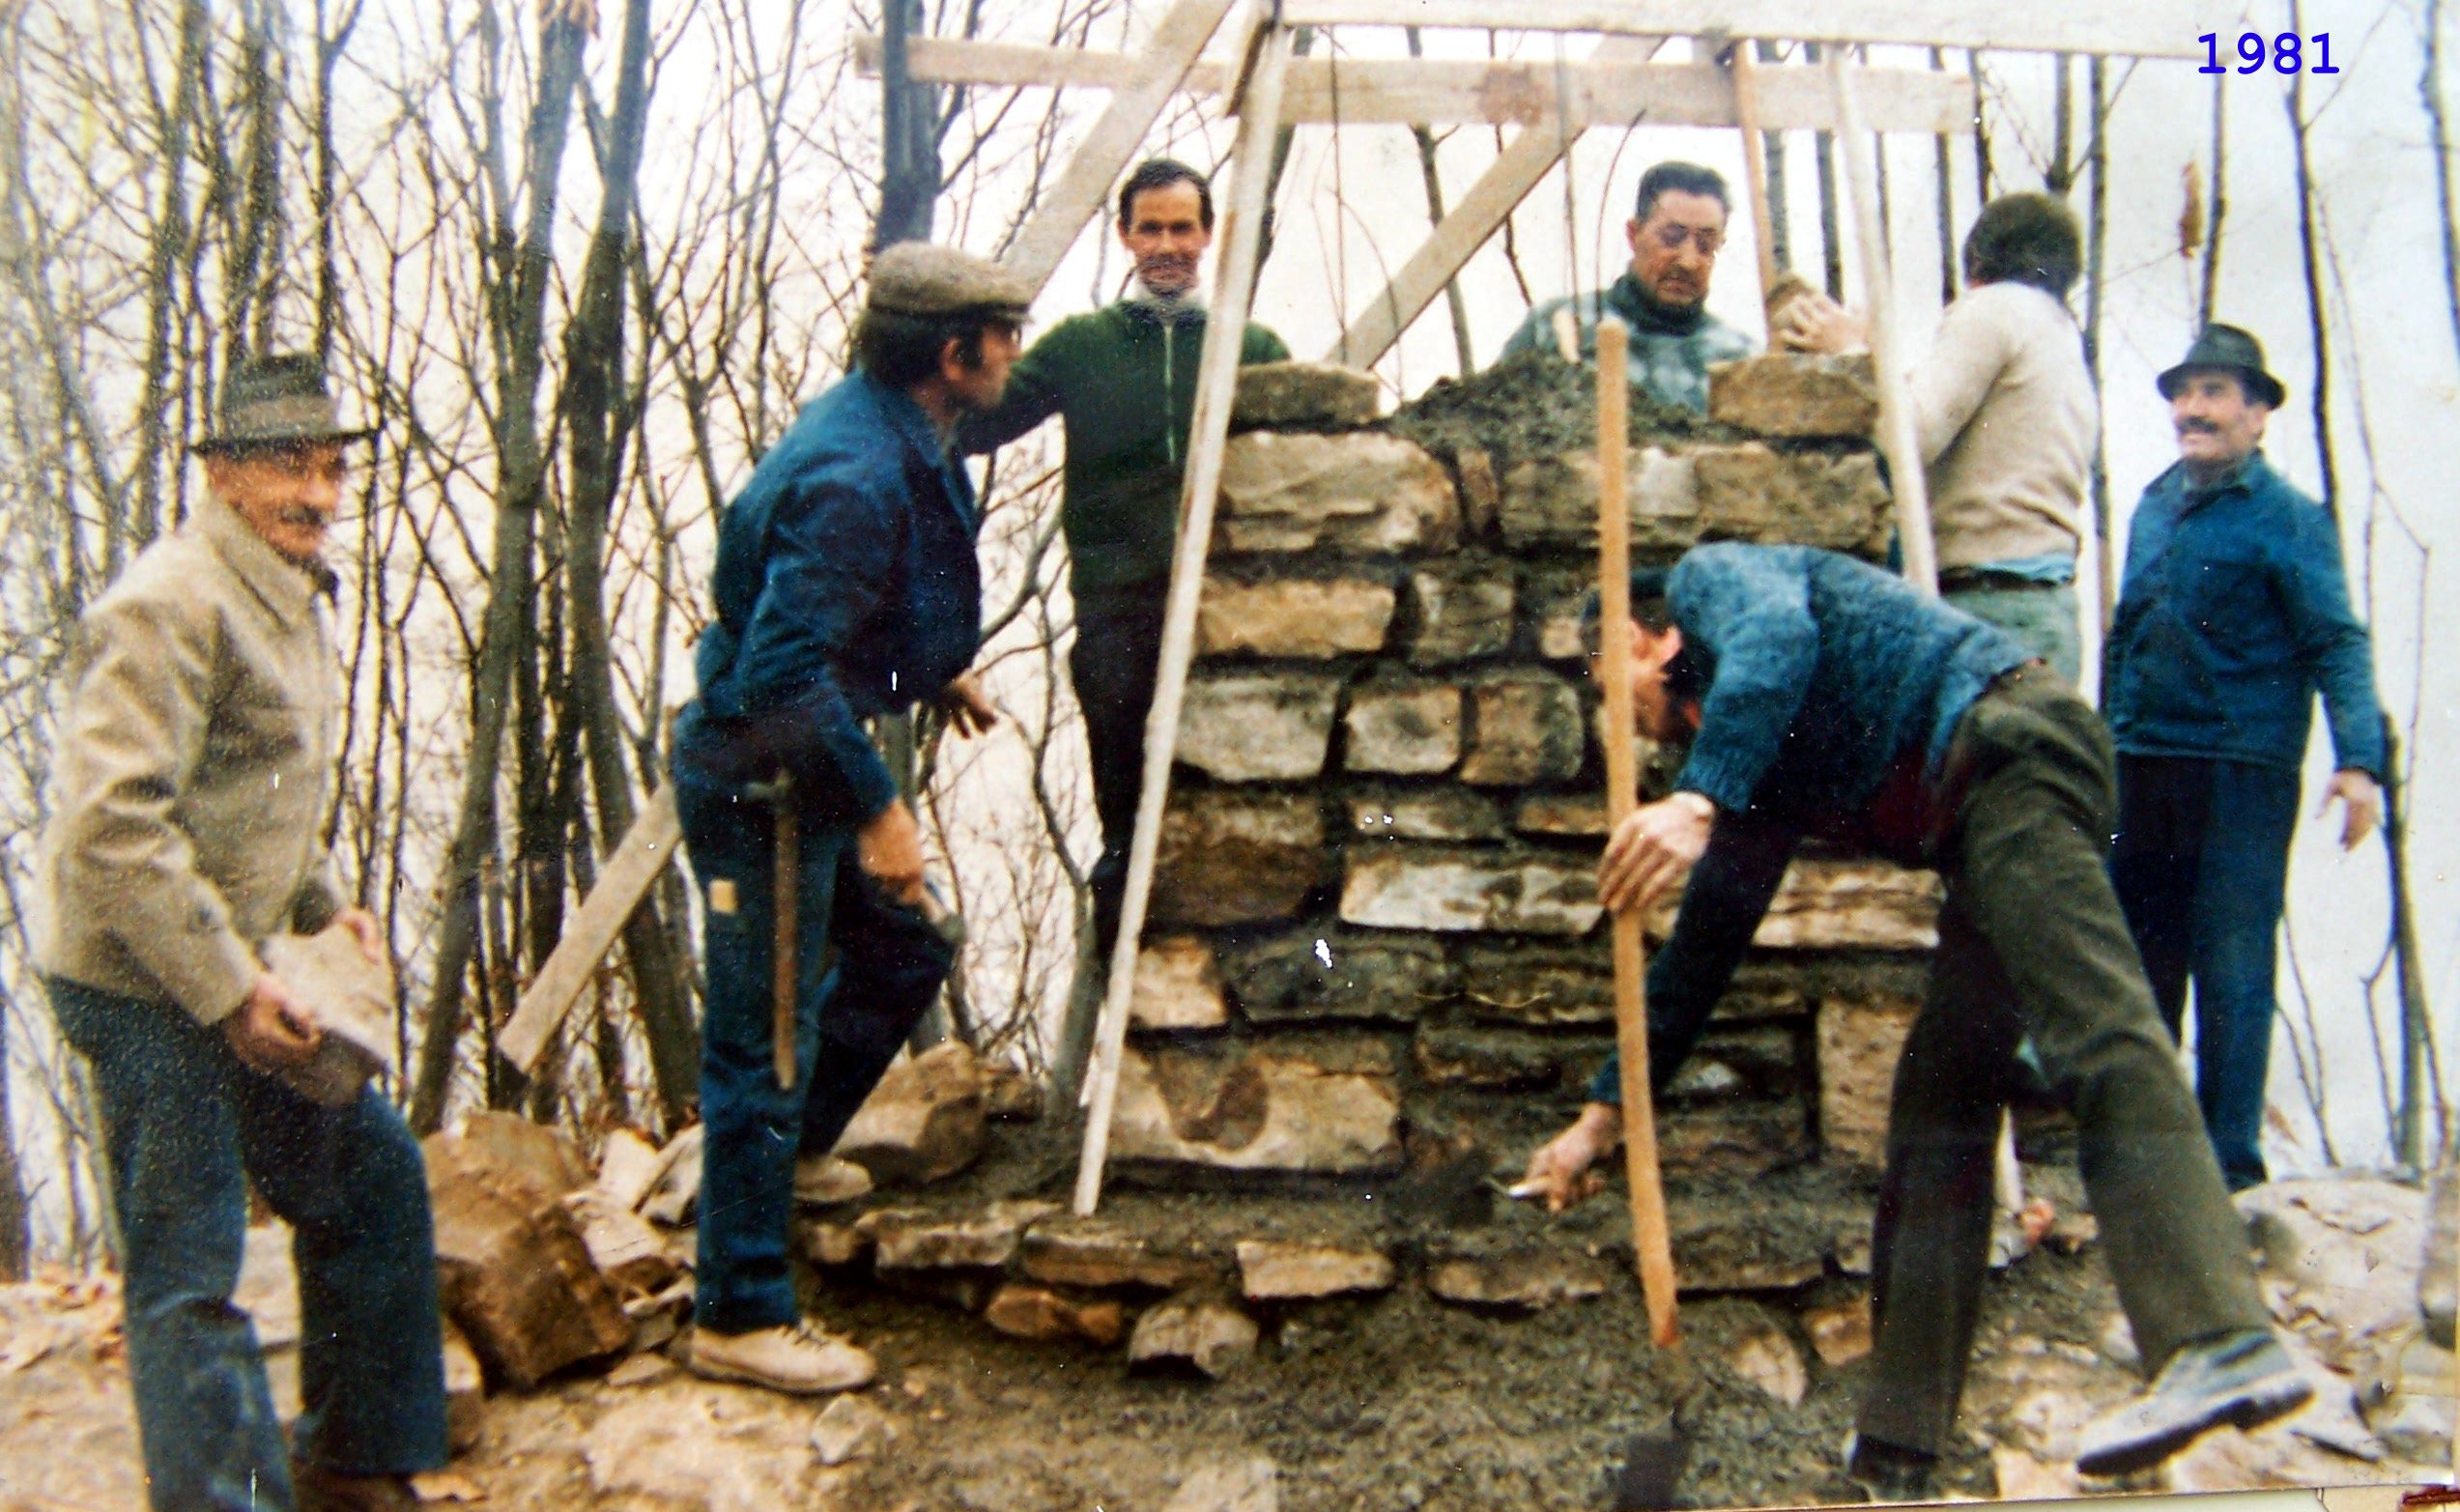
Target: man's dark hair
point(902, 350)
point(2026, 238)
point(1159, 173)
point(1689, 673)
point(1680, 177)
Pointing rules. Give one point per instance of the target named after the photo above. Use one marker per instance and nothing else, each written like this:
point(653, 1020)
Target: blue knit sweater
point(1826, 674)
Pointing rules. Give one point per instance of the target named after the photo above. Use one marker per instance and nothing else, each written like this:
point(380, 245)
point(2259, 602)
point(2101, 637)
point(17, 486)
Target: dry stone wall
point(1375, 938)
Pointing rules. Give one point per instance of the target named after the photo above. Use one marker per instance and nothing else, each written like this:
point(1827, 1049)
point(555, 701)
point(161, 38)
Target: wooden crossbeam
point(1442, 91)
point(1474, 218)
point(1117, 135)
point(2108, 28)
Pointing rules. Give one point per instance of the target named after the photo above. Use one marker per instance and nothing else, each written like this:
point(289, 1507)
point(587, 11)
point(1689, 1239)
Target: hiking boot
point(1876, 1470)
point(316, 1489)
point(2245, 1380)
point(795, 1358)
point(822, 1181)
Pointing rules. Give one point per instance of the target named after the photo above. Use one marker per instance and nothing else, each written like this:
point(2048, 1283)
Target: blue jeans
point(2201, 865)
point(184, 1119)
point(853, 1010)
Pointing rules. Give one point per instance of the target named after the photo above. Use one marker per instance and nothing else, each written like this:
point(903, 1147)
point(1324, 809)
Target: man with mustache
point(1676, 235)
point(1123, 382)
point(2234, 612)
point(190, 793)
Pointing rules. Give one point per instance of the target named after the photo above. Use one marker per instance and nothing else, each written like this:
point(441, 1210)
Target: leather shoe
point(2245, 1380)
point(316, 1489)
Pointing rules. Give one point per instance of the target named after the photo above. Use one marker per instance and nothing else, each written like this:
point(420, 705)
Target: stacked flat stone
point(1375, 909)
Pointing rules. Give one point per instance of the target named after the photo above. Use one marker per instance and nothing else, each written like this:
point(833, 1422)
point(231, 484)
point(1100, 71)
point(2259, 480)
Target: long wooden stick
point(1651, 1248)
point(1208, 432)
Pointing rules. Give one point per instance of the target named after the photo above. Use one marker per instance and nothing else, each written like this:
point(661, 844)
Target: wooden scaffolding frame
point(1267, 88)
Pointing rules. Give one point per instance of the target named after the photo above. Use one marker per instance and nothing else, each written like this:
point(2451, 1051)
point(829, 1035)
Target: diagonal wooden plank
point(1496, 194)
point(1116, 136)
point(2109, 28)
point(627, 876)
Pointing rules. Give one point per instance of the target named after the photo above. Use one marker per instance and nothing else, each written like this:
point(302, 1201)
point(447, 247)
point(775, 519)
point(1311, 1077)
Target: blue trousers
point(2201, 865)
point(866, 966)
point(184, 1119)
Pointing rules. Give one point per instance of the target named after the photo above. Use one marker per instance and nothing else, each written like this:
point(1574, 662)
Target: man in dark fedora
point(2233, 615)
point(194, 766)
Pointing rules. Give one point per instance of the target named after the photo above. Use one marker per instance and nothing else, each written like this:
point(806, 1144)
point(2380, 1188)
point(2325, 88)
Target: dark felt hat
point(2226, 347)
point(280, 400)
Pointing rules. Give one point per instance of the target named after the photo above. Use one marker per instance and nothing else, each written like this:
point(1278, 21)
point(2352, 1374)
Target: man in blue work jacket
point(2233, 615)
point(1821, 696)
point(845, 589)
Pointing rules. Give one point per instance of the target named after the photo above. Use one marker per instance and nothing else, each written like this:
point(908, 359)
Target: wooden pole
point(1209, 431)
point(1651, 1248)
point(1755, 163)
point(1898, 440)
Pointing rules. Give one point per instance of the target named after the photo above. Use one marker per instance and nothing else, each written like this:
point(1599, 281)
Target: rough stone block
point(1246, 1483)
point(1311, 975)
point(1839, 1332)
point(1746, 1251)
point(627, 1249)
point(546, 1157)
point(1212, 1336)
point(830, 1242)
point(1178, 985)
point(465, 1392)
point(1313, 620)
point(922, 1123)
point(1486, 1059)
point(1798, 396)
point(1751, 493)
point(1554, 599)
point(1426, 814)
point(1537, 984)
point(1553, 502)
point(1461, 609)
point(850, 1428)
point(1574, 816)
point(1035, 1312)
point(1423, 888)
point(1273, 1269)
point(1011, 1093)
point(1409, 730)
point(1231, 857)
point(1859, 1042)
point(1523, 1279)
point(1305, 393)
point(1367, 494)
point(1319, 1105)
point(910, 1239)
point(512, 1266)
point(1067, 1250)
point(1763, 1354)
point(1525, 728)
point(1258, 728)
point(1827, 903)
point(1482, 495)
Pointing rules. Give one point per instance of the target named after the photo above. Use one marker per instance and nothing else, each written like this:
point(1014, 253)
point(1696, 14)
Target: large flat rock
point(1313, 1106)
point(1306, 618)
point(924, 1122)
point(1365, 494)
point(1237, 857)
point(1860, 1040)
point(1460, 609)
point(1406, 729)
point(1312, 394)
point(1178, 985)
point(1525, 728)
point(1827, 903)
point(1454, 891)
point(1258, 727)
point(1798, 396)
point(1308, 975)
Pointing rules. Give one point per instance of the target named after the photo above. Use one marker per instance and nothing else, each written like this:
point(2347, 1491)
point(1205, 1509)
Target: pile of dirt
point(1537, 405)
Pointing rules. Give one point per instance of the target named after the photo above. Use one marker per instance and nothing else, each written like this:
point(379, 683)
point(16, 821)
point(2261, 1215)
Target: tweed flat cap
point(918, 279)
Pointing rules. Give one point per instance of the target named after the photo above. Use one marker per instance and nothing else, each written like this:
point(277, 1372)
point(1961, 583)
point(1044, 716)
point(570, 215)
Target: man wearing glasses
point(1663, 297)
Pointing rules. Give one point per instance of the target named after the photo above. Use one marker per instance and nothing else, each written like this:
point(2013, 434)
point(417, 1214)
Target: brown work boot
point(322, 1489)
point(795, 1358)
point(822, 1181)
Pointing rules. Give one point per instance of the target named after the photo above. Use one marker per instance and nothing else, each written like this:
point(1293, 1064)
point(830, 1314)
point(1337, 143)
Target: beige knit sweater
point(2008, 420)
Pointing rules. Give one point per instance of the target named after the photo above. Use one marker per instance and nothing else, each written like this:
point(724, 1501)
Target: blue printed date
point(2286, 53)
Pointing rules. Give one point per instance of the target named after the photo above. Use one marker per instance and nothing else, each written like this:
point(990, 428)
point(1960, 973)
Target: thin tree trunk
point(2312, 264)
point(2438, 134)
point(2219, 207)
point(1772, 158)
point(520, 321)
point(170, 240)
point(1824, 149)
point(251, 273)
point(1982, 177)
point(1454, 304)
point(2096, 220)
point(16, 1239)
point(2061, 175)
point(2417, 1025)
point(1945, 169)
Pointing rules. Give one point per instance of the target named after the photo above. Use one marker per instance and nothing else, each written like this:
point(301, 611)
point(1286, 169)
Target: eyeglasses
point(1671, 236)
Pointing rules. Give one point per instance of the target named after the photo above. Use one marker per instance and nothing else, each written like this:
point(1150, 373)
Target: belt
point(1970, 580)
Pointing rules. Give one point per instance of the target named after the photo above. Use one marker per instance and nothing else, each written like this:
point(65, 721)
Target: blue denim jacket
point(846, 587)
point(2233, 614)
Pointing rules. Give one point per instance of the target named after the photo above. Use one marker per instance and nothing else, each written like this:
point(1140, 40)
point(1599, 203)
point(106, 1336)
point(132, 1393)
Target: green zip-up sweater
point(1123, 382)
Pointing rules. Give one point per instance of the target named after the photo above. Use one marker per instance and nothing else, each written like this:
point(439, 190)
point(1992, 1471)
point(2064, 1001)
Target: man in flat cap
point(193, 773)
point(2234, 612)
point(1123, 382)
point(845, 589)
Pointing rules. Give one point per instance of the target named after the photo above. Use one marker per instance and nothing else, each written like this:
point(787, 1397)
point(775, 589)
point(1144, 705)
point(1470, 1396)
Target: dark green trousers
point(2031, 940)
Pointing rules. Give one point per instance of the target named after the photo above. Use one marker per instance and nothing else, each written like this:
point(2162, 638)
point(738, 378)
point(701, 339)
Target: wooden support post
point(1898, 440)
point(1474, 218)
point(1755, 164)
point(623, 882)
point(1115, 137)
point(1651, 1248)
point(1208, 433)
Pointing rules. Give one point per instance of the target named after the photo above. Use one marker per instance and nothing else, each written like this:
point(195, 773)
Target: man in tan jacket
point(194, 769)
